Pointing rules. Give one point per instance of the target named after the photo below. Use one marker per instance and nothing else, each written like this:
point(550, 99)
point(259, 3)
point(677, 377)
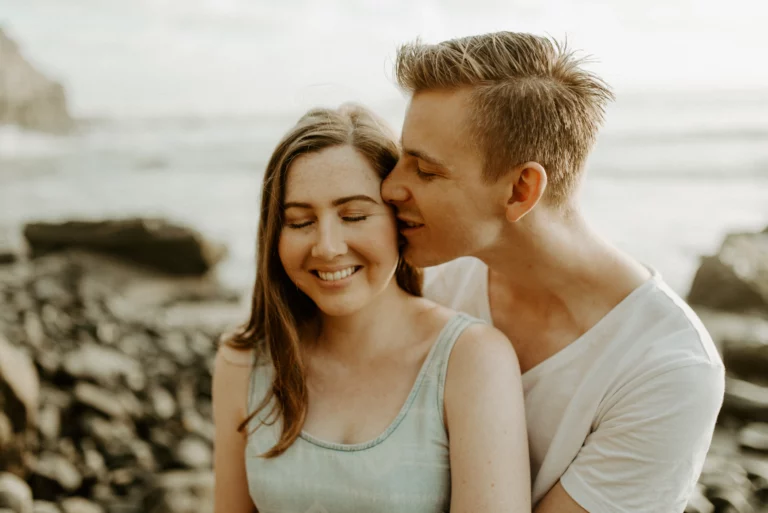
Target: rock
point(15, 494)
point(745, 400)
point(28, 98)
point(45, 507)
point(111, 404)
point(180, 492)
point(698, 503)
point(79, 505)
point(163, 403)
point(156, 243)
point(754, 436)
point(736, 279)
point(19, 386)
point(194, 453)
point(742, 341)
point(6, 432)
point(53, 475)
point(104, 366)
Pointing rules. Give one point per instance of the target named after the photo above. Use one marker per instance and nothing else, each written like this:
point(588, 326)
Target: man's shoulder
point(676, 328)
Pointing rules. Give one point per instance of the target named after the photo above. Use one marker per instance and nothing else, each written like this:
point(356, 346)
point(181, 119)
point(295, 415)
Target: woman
point(346, 391)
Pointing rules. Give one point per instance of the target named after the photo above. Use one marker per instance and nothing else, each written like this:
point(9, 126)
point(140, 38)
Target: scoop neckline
point(403, 409)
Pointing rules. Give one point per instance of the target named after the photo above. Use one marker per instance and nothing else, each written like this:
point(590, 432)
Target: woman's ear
point(527, 185)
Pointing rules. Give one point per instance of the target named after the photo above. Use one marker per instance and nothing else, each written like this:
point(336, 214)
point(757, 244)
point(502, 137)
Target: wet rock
point(155, 243)
point(79, 505)
point(112, 404)
point(27, 97)
point(755, 437)
point(104, 366)
point(163, 403)
point(19, 386)
point(15, 494)
point(53, 475)
point(181, 492)
point(45, 507)
point(698, 503)
point(194, 453)
point(745, 400)
point(736, 279)
point(49, 423)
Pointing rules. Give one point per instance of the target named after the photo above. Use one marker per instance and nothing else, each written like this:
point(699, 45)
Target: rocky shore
point(105, 364)
point(107, 335)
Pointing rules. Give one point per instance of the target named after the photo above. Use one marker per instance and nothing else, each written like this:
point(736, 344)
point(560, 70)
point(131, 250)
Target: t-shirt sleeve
point(648, 448)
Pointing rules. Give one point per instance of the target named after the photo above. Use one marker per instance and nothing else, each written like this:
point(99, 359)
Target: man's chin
point(423, 257)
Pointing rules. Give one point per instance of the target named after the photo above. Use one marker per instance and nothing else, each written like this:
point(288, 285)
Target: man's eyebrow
point(335, 203)
point(425, 157)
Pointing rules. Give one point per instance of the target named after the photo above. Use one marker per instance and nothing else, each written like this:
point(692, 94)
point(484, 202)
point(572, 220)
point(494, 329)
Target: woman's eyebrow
point(337, 202)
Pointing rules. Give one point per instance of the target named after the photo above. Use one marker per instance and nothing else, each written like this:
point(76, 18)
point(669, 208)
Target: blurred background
point(115, 109)
point(177, 105)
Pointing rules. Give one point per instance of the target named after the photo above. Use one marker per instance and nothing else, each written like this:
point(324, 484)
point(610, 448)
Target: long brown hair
point(279, 309)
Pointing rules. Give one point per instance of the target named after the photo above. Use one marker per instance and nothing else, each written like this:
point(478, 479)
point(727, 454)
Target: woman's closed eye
point(298, 224)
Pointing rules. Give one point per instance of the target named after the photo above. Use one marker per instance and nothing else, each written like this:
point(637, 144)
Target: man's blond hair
point(531, 100)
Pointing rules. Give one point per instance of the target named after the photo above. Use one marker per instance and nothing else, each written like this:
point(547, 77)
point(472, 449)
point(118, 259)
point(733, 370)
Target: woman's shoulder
point(231, 355)
point(482, 349)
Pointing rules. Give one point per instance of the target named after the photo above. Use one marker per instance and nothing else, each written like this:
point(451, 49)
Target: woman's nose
point(330, 241)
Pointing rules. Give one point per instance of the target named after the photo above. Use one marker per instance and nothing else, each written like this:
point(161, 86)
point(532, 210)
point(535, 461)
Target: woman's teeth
point(338, 275)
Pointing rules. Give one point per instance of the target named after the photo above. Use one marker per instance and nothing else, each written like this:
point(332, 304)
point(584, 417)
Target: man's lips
point(405, 224)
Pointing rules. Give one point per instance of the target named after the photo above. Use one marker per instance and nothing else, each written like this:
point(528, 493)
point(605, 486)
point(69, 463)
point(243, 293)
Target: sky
point(145, 58)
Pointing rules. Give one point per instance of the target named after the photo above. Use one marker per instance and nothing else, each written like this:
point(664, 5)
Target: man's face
point(445, 208)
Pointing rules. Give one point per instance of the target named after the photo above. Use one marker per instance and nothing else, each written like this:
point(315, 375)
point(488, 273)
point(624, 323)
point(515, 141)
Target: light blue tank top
point(405, 469)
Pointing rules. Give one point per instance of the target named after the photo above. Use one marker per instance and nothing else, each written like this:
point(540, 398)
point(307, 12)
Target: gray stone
point(114, 405)
point(45, 507)
point(79, 505)
point(105, 366)
point(163, 403)
point(194, 453)
point(55, 474)
point(19, 386)
point(155, 243)
point(180, 492)
point(745, 400)
point(736, 279)
point(15, 494)
point(754, 436)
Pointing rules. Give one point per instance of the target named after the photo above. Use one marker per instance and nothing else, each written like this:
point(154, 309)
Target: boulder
point(180, 492)
point(736, 279)
point(15, 494)
point(154, 243)
point(27, 97)
point(742, 341)
point(19, 386)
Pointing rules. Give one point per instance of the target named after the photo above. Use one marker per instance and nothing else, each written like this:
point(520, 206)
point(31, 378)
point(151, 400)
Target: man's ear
point(526, 188)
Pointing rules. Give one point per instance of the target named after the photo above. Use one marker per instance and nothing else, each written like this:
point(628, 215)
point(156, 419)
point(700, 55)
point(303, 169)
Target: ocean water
point(669, 177)
point(180, 103)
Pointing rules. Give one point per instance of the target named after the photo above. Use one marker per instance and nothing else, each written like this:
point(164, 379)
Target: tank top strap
point(438, 366)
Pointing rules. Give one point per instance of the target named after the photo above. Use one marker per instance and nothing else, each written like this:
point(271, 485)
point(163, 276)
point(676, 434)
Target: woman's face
point(338, 243)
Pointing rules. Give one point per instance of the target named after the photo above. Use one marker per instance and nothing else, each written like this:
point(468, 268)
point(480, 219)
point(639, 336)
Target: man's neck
point(557, 278)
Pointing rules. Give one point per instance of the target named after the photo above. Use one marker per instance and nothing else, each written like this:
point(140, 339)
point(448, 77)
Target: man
point(622, 383)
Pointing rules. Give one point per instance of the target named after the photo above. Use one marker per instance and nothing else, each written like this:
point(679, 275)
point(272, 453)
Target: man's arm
point(557, 500)
point(648, 449)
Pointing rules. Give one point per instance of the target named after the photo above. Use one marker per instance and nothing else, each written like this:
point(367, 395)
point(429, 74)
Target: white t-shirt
point(624, 415)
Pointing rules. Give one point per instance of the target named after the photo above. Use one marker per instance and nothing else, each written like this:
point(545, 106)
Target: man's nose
point(393, 189)
point(330, 241)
